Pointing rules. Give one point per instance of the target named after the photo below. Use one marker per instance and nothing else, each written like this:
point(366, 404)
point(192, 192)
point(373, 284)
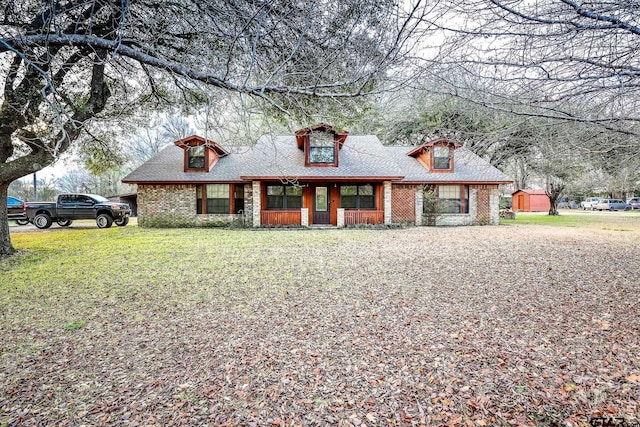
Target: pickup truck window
point(84, 200)
point(98, 199)
point(66, 198)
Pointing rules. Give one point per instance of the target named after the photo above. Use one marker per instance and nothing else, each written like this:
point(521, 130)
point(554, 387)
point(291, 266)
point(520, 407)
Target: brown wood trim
point(212, 152)
point(307, 201)
point(433, 157)
point(263, 196)
point(213, 158)
point(184, 182)
point(462, 197)
point(328, 179)
point(280, 217)
point(378, 194)
point(439, 141)
point(232, 199)
point(307, 148)
point(363, 216)
point(195, 140)
point(334, 200)
point(203, 207)
point(395, 179)
point(453, 182)
point(424, 159)
point(203, 200)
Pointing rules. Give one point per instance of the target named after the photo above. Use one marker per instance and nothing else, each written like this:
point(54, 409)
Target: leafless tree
point(74, 181)
point(175, 128)
point(24, 189)
point(563, 59)
point(65, 65)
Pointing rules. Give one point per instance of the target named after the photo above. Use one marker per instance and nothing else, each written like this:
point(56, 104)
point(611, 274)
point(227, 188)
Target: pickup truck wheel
point(104, 221)
point(122, 221)
point(22, 221)
point(64, 222)
point(42, 221)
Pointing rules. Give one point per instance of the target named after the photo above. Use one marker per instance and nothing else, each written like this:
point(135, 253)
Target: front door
point(321, 212)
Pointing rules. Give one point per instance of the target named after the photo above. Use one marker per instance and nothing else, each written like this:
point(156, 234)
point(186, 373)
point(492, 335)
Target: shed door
point(521, 202)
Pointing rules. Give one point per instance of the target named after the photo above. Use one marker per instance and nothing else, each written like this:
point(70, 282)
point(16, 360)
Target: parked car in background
point(612, 205)
point(590, 203)
point(563, 203)
point(16, 211)
point(634, 202)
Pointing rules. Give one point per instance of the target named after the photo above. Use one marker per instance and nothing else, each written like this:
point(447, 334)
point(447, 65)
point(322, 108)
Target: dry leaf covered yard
point(471, 326)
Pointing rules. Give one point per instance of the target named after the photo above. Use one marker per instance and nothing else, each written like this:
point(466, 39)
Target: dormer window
point(436, 156)
point(321, 148)
point(200, 154)
point(195, 157)
point(441, 157)
point(321, 145)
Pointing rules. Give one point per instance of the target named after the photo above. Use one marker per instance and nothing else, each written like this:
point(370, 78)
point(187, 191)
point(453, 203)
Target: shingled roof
point(468, 168)
point(167, 167)
point(362, 156)
point(277, 157)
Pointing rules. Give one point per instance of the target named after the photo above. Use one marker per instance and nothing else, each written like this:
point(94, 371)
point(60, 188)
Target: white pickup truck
point(590, 203)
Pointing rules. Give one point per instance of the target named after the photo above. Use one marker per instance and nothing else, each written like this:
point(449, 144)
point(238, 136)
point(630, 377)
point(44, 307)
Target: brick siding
point(166, 199)
point(175, 206)
point(485, 207)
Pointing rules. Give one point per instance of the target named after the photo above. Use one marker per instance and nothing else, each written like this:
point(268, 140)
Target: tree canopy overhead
point(569, 59)
point(64, 64)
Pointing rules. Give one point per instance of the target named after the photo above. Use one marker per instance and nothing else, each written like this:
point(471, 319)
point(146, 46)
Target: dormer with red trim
point(200, 154)
point(321, 145)
point(436, 155)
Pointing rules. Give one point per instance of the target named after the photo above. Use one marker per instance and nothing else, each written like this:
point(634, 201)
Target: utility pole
point(35, 188)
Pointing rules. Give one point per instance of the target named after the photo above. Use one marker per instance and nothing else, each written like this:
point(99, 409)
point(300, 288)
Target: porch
point(300, 217)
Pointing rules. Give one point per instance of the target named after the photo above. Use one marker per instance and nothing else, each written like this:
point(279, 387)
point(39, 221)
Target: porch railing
point(353, 217)
point(280, 217)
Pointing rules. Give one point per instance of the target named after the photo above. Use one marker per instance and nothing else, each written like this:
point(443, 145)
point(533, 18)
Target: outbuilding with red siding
point(530, 201)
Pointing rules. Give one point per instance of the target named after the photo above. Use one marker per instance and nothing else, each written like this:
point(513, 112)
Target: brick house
point(316, 177)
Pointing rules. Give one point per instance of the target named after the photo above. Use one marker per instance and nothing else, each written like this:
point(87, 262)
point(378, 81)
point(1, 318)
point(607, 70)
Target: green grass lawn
point(78, 270)
point(621, 221)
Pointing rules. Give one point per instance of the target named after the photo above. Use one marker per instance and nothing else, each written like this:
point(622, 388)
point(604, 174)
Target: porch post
point(419, 204)
point(494, 207)
point(387, 202)
point(473, 205)
point(256, 203)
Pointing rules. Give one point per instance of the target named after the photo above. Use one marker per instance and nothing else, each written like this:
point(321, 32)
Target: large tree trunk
point(41, 154)
point(554, 190)
point(6, 248)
